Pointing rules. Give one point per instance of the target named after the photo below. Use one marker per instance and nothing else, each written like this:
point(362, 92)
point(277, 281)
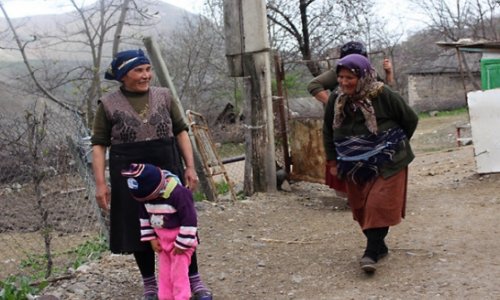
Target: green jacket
point(325, 81)
point(391, 111)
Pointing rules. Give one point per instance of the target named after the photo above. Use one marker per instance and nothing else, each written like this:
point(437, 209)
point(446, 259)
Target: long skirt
point(124, 214)
point(335, 183)
point(379, 203)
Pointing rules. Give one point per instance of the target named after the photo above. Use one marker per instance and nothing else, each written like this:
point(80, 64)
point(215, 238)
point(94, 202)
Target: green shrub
point(88, 251)
point(19, 288)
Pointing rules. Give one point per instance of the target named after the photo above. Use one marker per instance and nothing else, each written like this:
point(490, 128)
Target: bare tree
point(119, 26)
point(487, 22)
point(308, 28)
point(457, 19)
point(93, 28)
point(87, 36)
point(196, 59)
point(460, 19)
point(383, 44)
point(22, 46)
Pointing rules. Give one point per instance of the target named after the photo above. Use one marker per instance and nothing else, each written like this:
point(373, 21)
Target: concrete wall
point(440, 91)
point(484, 109)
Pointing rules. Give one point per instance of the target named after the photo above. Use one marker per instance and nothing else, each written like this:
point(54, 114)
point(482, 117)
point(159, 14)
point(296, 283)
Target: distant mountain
point(166, 18)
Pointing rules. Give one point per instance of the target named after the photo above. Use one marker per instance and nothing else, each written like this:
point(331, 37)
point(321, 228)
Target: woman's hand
point(387, 65)
point(389, 74)
point(178, 251)
point(191, 178)
point(332, 167)
point(103, 196)
point(155, 244)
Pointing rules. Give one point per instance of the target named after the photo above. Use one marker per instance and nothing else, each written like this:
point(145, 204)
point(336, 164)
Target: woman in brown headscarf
point(366, 133)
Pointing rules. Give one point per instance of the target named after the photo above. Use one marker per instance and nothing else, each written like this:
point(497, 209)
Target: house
point(443, 83)
point(490, 59)
point(483, 104)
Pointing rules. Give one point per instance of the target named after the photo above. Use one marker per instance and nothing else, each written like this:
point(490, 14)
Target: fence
point(48, 218)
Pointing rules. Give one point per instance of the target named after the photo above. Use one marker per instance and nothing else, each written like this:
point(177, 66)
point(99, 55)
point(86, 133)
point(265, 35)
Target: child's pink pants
point(173, 279)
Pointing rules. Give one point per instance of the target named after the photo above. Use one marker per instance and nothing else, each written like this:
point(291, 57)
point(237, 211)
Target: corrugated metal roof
point(468, 45)
point(447, 62)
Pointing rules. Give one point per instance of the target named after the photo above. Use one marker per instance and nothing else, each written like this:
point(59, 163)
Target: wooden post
point(280, 77)
point(461, 69)
point(248, 183)
point(163, 76)
point(247, 50)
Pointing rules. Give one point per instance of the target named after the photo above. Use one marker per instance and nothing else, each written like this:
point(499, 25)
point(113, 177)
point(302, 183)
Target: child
point(168, 221)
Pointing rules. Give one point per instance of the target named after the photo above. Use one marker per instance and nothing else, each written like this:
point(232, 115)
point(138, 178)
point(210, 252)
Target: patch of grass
point(227, 150)
point(445, 113)
point(37, 265)
point(88, 251)
point(199, 196)
point(221, 188)
point(240, 195)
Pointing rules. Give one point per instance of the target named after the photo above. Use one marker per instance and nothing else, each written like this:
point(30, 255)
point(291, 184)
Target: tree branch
point(30, 69)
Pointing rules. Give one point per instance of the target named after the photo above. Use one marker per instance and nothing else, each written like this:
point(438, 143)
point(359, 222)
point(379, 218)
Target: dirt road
point(304, 244)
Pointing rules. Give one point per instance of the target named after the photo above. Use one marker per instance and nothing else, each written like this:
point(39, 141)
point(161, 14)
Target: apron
point(124, 234)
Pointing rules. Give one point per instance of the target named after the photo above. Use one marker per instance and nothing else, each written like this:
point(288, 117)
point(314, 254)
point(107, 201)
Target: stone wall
point(437, 91)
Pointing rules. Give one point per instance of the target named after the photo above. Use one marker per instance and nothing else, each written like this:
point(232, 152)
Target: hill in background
point(166, 18)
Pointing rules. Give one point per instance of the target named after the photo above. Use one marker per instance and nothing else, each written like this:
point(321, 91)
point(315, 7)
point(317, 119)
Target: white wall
point(484, 111)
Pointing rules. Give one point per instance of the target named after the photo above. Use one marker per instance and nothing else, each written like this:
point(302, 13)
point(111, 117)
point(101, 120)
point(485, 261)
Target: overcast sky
point(20, 8)
point(390, 10)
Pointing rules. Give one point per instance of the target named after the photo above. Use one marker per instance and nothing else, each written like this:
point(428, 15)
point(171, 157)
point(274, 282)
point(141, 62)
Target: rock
point(281, 175)
point(46, 297)
point(285, 186)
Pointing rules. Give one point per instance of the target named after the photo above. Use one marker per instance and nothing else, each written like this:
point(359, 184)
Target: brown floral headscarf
point(368, 87)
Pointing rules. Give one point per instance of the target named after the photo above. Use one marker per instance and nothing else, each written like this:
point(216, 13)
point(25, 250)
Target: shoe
point(202, 295)
point(368, 264)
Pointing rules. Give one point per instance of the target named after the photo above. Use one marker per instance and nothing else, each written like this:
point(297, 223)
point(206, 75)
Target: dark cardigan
point(391, 111)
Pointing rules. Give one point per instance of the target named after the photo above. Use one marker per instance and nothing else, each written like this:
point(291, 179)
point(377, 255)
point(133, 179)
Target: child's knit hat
point(145, 181)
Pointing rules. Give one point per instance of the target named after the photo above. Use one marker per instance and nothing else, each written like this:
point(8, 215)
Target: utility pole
point(248, 56)
point(166, 81)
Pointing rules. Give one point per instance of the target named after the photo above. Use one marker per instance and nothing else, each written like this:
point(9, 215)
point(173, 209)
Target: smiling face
point(347, 80)
point(137, 79)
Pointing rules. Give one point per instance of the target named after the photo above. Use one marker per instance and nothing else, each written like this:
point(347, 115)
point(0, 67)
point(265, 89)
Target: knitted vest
point(127, 124)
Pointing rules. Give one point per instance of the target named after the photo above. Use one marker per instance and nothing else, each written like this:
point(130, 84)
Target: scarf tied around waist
point(359, 158)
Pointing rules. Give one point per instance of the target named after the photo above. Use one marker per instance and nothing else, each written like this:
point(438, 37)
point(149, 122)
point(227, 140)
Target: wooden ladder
point(212, 164)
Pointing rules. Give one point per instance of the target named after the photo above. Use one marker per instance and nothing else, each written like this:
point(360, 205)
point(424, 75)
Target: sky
point(21, 8)
point(391, 10)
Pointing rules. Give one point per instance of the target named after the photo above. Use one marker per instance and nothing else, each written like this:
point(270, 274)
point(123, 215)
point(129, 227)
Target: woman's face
point(137, 79)
point(348, 81)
